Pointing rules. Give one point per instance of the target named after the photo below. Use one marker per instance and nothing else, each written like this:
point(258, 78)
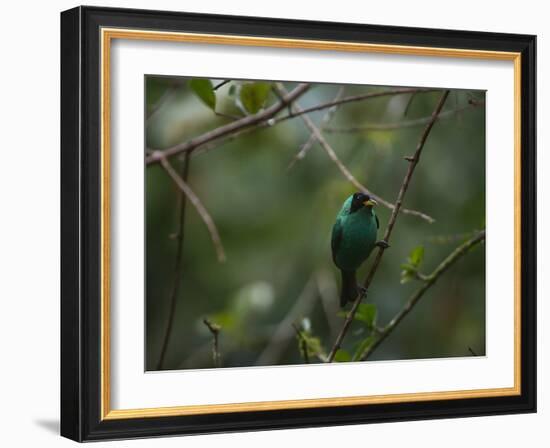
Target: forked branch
point(428, 281)
point(413, 162)
point(316, 133)
point(231, 128)
point(201, 209)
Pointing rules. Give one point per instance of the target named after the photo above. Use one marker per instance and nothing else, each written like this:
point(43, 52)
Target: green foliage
point(275, 226)
point(366, 313)
point(362, 347)
point(254, 95)
point(342, 356)
point(204, 89)
point(409, 270)
point(313, 343)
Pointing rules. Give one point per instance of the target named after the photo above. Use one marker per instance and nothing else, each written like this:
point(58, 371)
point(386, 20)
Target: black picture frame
point(81, 224)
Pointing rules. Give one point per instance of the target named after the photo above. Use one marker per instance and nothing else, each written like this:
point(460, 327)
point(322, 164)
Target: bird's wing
point(336, 238)
point(377, 222)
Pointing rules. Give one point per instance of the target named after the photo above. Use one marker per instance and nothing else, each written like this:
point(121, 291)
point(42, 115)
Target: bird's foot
point(382, 244)
point(362, 290)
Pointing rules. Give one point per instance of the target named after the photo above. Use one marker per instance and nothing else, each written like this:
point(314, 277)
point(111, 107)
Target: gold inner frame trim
point(107, 35)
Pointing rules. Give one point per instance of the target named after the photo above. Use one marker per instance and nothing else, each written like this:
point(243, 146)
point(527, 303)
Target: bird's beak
point(370, 203)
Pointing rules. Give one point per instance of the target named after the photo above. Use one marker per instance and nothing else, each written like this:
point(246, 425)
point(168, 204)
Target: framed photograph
point(275, 224)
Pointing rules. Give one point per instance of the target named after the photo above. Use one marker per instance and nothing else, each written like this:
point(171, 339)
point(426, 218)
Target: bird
point(354, 236)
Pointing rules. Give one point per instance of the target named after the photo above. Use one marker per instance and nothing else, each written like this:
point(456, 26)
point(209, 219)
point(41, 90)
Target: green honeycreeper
point(353, 239)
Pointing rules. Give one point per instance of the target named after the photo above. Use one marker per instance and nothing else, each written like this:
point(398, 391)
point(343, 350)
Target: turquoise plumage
point(353, 238)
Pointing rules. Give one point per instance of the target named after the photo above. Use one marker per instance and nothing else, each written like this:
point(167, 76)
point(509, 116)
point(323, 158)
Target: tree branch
point(398, 125)
point(413, 161)
point(300, 155)
point(263, 119)
point(429, 281)
point(347, 174)
point(177, 266)
point(215, 330)
point(203, 213)
point(353, 99)
point(221, 84)
point(251, 120)
point(303, 343)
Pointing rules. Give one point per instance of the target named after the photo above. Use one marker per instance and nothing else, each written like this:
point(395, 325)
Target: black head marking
point(358, 201)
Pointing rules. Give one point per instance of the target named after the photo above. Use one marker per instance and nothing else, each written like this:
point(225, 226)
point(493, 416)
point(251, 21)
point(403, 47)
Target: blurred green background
point(275, 225)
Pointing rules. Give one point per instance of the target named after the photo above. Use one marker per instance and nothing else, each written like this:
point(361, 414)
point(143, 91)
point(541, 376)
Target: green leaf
point(362, 347)
point(416, 256)
point(367, 313)
point(254, 95)
point(342, 356)
point(410, 268)
point(313, 344)
point(204, 89)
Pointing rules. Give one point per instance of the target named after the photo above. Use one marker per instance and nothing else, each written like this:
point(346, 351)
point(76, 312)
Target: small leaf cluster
point(313, 343)
point(409, 269)
point(249, 97)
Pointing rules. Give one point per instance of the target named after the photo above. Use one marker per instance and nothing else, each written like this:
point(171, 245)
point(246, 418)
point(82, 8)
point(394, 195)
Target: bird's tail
point(349, 288)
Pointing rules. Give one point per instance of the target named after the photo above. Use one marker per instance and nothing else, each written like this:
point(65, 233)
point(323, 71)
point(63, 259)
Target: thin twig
point(215, 330)
point(221, 84)
point(251, 120)
point(429, 281)
point(343, 169)
point(391, 223)
point(408, 105)
point(213, 139)
point(393, 126)
point(203, 213)
point(303, 343)
point(353, 99)
point(300, 155)
point(177, 266)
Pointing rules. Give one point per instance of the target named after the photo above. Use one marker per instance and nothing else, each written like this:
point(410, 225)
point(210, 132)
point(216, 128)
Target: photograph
point(250, 200)
point(278, 232)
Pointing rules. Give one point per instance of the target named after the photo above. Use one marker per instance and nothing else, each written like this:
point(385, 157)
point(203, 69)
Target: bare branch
point(261, 120)
point(399, 125)
point(391, 223)
point(223, 131)
point(177, 267)
point(215, 330)
point(303, 343)
point(221, 84)
point(429, 281)
point(203, 213)
point(353, 99)
point(347, 174)
point(311, 140)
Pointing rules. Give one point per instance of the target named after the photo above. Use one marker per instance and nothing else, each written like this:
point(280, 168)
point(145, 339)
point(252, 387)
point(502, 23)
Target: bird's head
point(360, 200)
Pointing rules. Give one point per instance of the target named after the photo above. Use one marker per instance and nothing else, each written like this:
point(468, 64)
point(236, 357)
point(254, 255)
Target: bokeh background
point(275, 225)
